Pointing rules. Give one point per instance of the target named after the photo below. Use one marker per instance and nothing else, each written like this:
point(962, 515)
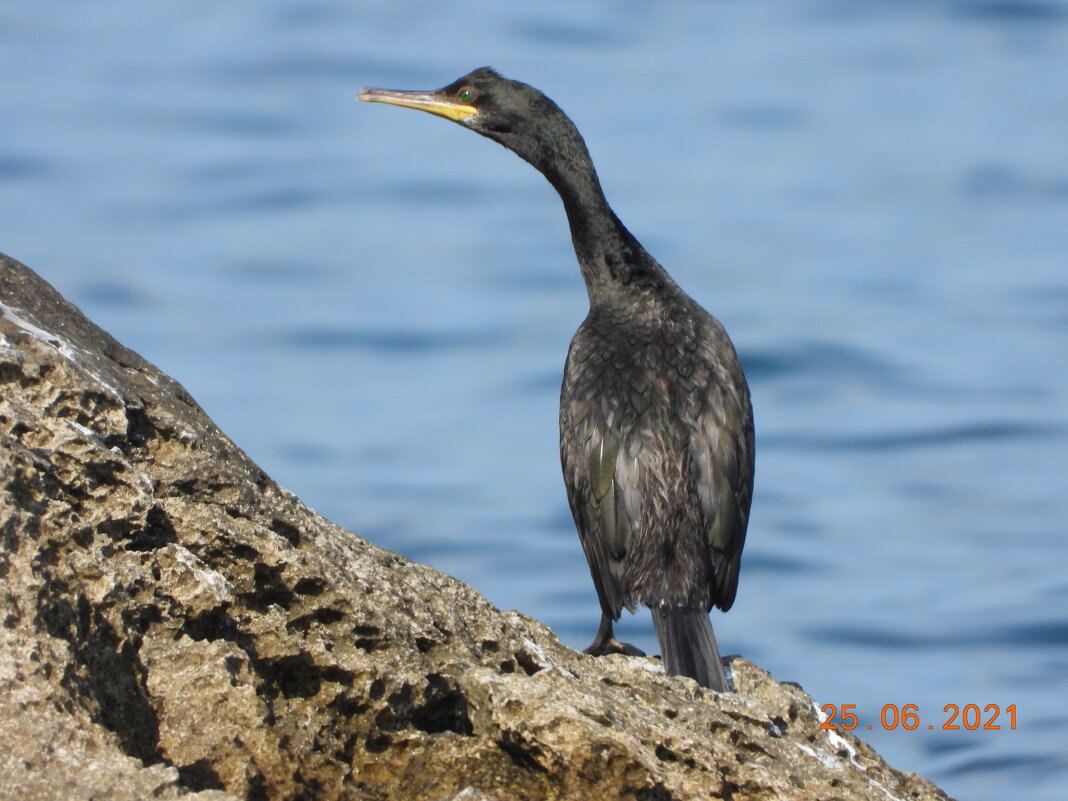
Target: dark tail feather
point(688, 646)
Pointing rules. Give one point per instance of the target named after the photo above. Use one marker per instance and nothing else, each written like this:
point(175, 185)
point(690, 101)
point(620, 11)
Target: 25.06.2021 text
point(907, 717)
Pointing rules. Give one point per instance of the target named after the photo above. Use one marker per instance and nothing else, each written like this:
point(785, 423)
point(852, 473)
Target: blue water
point(376, 304)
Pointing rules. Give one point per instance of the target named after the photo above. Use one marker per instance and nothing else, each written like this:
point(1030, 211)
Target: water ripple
point(990, 431)
point(557, 33)
point(113, 293)
point(1010, 10)
point(299, 66)
point(994, 181)
point(1029, 763)
point(14, 168)
point(1051, 634)
point(396, 341)
point(432, 193)
point(825, 358)
point(768, 563)
point(765, 117)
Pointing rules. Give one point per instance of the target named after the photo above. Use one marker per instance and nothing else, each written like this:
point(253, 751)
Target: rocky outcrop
point(175, 624)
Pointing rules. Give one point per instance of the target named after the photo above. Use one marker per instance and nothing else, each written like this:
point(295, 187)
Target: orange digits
point(908, 717)
point(910, 720)
point(827, 724)
point(972, 718)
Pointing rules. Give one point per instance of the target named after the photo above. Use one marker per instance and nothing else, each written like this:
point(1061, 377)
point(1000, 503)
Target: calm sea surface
point(376, 304)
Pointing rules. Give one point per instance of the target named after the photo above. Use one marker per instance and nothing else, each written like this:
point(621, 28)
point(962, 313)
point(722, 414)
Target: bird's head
point(512, 113)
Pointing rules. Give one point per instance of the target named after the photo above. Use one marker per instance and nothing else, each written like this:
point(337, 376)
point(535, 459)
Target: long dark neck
point(612, 261)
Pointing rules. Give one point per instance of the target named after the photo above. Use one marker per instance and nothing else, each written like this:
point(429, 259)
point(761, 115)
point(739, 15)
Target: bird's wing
point(722, 454)
point(603, 498)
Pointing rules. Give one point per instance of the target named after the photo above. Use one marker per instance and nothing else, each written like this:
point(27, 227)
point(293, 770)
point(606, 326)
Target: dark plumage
point(656, 426)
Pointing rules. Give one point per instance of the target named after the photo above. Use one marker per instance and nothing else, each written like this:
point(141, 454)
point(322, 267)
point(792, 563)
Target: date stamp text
point(969, 717)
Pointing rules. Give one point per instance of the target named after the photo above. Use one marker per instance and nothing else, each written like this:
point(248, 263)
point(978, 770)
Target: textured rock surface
point(174, 624)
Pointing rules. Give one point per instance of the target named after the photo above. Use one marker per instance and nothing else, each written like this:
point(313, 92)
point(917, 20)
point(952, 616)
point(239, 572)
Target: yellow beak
point(424, 101)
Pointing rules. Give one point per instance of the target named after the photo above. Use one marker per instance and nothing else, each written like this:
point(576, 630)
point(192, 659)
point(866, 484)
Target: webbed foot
point(606, 643)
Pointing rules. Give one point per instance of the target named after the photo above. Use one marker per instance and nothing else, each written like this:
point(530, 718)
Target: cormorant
point(656, 425)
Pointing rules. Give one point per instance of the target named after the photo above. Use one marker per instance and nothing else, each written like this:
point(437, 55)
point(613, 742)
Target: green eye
point(466, 95)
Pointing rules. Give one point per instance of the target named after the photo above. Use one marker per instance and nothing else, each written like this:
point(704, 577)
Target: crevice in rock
point(257, 789)
point(310, 585)
point(394, 716)
point(658, 792)
point(103, 473)
point(242, 552)
point(269, 588)
point(348, 706)
point(139, 428)
point(444, 708)
point(367, 638)
point(158, 531)
point(11, 372)
point(199, 775)
point(106, 669)
point(215, 624)
point(311, 789)
point(377, 742)
point(286, 531)
point(528, 663)
point(325, 616)
point(297, 676)
point(523, 754)
point(665, 754)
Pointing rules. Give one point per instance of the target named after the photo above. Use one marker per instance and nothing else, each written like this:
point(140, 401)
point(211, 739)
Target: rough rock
point(174, 624)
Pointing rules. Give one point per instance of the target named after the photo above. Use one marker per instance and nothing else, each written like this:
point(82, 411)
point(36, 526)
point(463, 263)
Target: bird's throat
point(613, 263)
